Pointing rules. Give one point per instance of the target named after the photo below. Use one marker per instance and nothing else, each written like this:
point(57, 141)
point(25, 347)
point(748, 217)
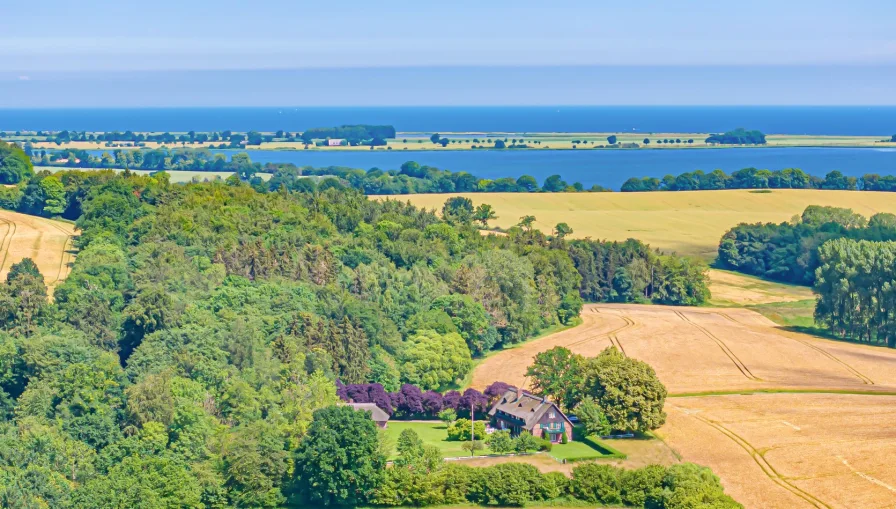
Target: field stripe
point(11, 231)
point(610, 334)
point(853, 371)
point(727, 351)
point(764, 465)
point(867, 477)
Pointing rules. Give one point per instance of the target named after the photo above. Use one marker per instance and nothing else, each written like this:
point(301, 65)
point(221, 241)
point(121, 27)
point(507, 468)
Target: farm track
point(725, 349)
point(764, 465)
point(611, 335)
point(822, 351)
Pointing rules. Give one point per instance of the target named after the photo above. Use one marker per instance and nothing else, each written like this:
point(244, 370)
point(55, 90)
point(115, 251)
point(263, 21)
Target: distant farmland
point(686, 222)
point(47, 242)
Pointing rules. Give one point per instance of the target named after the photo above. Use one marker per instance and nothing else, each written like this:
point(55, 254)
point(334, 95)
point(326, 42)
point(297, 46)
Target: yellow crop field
point(47, 242)
point(685, 222)
point(785, 419)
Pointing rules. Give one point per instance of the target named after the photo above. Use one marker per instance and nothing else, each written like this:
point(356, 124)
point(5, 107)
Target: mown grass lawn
point(432, 433)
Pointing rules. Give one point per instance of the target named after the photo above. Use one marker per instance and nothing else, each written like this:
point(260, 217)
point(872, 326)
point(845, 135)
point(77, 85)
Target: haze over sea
point(822, 120)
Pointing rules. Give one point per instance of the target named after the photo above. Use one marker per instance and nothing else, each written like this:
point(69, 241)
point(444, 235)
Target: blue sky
point(104, 53)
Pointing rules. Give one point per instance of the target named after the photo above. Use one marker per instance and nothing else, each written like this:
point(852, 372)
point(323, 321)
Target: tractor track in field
point(853, 371)
point(764, 465)
point(721, 344)
point(6, 242)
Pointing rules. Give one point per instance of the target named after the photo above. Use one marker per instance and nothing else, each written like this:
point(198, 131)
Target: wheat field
point(685, 222)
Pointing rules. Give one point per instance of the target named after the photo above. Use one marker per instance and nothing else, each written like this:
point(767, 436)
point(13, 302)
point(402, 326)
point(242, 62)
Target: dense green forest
point(739, 136)
point(753, 178)
point(203, 325)
point(856, 285)
point(788, 251)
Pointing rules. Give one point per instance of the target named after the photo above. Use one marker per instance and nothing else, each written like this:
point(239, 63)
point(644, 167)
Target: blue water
point(844, 120)
point(609, 168)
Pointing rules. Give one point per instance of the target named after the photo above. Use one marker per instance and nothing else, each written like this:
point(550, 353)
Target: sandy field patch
point(734, 289)
point(47, 242)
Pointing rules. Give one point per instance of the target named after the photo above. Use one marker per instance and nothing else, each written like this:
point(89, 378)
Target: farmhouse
point(379, 416)
point(518, 410)
point(336, 143)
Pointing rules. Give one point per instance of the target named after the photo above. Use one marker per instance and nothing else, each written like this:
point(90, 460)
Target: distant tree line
point(412, 178)
point(15, 165)
point(788, 251)
point(739, 136)
point(351, 133)
point(856, 286)
point(753, 178)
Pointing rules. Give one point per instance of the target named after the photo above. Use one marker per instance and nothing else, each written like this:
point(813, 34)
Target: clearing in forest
point(686, 222)
point(47, 242)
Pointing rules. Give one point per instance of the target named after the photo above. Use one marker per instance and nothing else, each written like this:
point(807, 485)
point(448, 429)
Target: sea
point(608, 168)
point(829, 120)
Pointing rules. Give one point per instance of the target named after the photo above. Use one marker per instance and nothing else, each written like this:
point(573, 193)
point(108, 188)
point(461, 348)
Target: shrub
point(596, 484)
point(525, 442)
point(554, 485)
point(640, 484)
point(687, 485)
point(500, 442)
point(460, 430)
point(508, 484)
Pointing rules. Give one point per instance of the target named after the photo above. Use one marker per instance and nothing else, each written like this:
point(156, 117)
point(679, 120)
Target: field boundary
point(11, 229)
point(750, 392)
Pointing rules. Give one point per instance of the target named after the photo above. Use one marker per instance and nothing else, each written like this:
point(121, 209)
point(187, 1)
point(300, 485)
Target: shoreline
point(474, 141)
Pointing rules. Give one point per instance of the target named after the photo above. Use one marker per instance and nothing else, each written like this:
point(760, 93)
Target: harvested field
point(791, 450)
point(785, 419)
point(696, 350)
point(47, 242)
point(735, 289)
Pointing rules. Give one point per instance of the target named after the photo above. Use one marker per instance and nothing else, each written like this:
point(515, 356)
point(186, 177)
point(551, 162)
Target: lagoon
point(605, 167)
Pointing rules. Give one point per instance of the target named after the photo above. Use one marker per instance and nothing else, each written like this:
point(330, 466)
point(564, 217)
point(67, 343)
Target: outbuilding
point(377, 414)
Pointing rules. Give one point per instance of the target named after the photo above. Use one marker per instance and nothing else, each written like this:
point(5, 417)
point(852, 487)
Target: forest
point(856, 285)
point(739, 136)
point(753, 178)
point(203, 325)
point(788, 251)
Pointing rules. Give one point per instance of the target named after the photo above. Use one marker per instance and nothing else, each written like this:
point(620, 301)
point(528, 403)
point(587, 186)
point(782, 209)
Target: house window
point(552, 415)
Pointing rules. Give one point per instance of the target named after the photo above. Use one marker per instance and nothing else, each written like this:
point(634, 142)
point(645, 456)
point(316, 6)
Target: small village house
point(379, 416)
point(335, 142)
point(518, 410)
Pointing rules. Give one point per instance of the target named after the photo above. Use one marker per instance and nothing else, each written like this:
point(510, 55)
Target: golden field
point(685, 222)
point(787, 420)
point(47, 242)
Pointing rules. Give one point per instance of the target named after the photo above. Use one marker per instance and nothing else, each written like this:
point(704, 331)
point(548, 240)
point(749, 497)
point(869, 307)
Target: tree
point(627, 390)
point(500, 144)
point(611, 139)
point(339, 461)
point(484, 213)
point(444, 142)
point(472, 446)
point(458, 209)
point(15, 165)
point(435, 138)
point(562, 230)
point(448, 416)
point(142, 483)
point(500, 442)
point(592, 417)
point(459, 431)
point(431, 360)
point(647, 141)
point(554, 184)
point(526, 222)
point(556, 373)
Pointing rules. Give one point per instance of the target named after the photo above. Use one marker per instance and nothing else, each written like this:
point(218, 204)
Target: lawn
point(432, 433)
point(435, 433)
